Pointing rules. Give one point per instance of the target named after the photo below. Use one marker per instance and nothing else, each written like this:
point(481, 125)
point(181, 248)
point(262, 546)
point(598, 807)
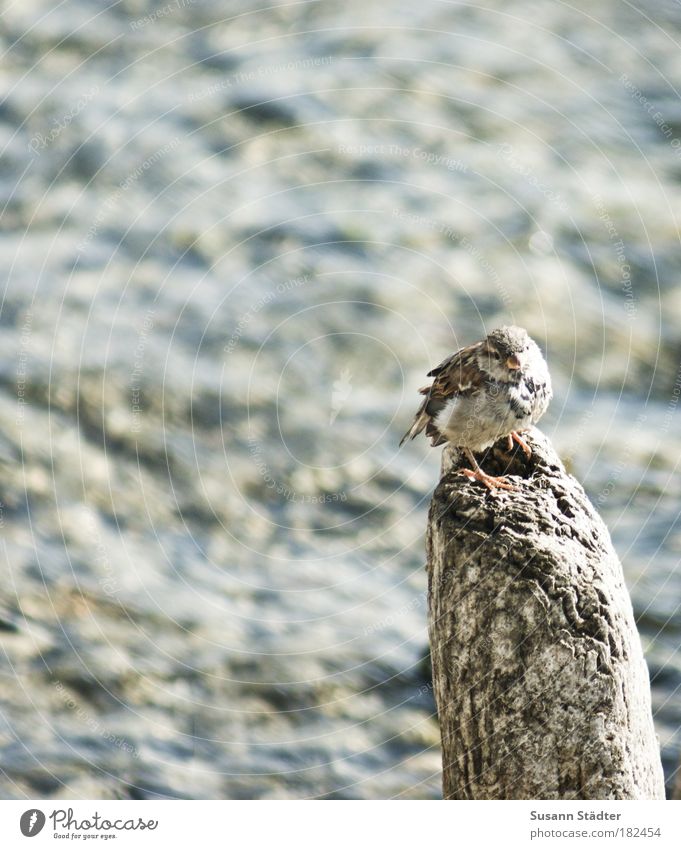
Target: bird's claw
point(489, 481)
point(514, 436)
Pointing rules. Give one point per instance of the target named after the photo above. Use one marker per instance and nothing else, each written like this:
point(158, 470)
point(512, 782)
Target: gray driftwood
point(540, 683)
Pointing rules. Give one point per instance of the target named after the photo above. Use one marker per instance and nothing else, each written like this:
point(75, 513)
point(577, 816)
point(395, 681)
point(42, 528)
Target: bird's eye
point(496, 355)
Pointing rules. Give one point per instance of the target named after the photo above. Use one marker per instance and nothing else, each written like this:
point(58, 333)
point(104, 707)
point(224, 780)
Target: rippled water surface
point(234, 240)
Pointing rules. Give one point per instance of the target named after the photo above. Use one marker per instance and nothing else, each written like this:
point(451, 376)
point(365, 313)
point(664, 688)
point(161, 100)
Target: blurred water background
point(234, 239)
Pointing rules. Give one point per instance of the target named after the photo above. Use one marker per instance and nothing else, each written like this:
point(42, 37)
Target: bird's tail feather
point(420, 421)
point(425, 418)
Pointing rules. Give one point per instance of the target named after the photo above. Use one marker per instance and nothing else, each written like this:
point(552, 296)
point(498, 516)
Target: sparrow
point(495, 388)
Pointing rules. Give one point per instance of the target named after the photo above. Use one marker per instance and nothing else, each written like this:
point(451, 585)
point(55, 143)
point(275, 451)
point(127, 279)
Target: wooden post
point(540, 683)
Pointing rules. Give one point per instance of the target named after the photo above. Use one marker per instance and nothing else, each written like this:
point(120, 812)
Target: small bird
point(498, 387)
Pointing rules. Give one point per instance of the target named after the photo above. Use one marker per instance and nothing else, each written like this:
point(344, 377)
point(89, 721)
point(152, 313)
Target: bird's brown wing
point(457, 375)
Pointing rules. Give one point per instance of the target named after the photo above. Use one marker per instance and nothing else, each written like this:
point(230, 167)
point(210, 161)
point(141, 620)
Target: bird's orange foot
point(490, 481)
point(514, 436)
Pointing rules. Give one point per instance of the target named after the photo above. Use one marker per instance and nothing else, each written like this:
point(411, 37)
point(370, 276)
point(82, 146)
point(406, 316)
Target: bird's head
point(506, 353)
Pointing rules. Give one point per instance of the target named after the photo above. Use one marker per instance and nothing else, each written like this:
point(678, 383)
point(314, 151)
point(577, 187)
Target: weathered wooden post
point(540, 683)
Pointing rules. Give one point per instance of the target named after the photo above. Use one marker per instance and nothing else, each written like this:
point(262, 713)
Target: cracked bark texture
point(540, 683)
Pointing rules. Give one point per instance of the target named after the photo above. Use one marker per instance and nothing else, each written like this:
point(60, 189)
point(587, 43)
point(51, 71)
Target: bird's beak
point(513, 362)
